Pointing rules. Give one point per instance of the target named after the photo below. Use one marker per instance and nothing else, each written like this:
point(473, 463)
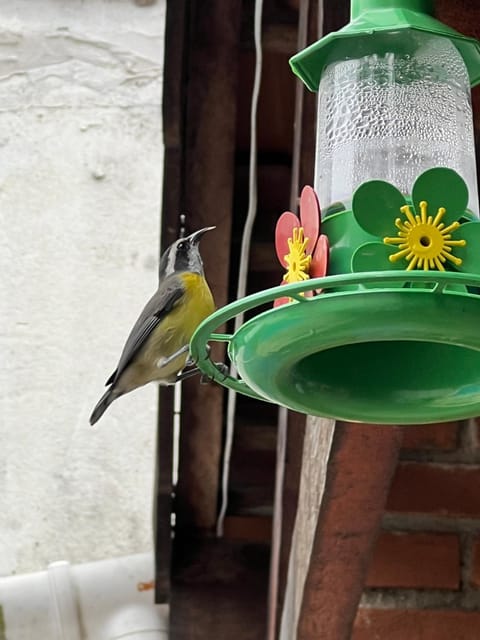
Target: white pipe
point(64, 610)
point(105, 600)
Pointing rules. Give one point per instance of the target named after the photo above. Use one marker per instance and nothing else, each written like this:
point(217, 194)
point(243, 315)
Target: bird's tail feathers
point(102, 405)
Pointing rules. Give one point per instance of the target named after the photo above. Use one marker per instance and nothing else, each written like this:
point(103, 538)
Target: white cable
point(245, 253)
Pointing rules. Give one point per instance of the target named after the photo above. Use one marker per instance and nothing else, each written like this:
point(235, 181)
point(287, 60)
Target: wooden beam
point(218, 586)
point(172, 205)
point(208, 193)
point(336, 14)
point(361, 461)
point(162, 499)
point(291, 489)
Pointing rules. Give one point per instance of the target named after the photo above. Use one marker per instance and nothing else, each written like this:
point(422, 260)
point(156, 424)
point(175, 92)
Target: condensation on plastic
point(392, 116)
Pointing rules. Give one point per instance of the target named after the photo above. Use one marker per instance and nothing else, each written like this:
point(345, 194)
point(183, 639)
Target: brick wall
point(424, 578)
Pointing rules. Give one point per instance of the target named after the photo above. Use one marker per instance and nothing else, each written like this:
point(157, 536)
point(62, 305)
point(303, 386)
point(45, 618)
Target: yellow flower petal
point(424, 241)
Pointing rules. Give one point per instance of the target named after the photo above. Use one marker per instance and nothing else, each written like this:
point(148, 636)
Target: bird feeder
point(378, 316)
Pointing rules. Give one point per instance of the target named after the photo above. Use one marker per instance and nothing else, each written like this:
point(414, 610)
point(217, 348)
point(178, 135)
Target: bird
point(157, 348)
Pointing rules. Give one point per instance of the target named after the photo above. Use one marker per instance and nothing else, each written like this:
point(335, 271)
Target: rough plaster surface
point(80, 174)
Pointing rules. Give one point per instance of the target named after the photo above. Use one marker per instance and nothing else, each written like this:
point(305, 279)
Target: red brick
point(475, 567)
point(412, 624)
point(415, 561)
point(442, 436)
point(251, 528)
point(436, 489)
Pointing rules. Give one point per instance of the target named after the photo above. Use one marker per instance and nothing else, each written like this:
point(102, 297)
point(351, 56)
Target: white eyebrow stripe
point(172, 255)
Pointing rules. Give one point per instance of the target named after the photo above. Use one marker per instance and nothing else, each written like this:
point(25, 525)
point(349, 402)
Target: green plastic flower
point(430, 232)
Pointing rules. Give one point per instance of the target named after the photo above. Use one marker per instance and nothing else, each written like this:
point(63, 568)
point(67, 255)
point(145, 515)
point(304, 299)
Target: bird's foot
point(204, 379)
point(222, 367)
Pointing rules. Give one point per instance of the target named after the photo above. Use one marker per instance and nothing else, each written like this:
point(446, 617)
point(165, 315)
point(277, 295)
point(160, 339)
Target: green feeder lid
point(371, 21)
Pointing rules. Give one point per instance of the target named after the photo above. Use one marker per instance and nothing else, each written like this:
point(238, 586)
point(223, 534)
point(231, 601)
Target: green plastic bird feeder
point(378, 316)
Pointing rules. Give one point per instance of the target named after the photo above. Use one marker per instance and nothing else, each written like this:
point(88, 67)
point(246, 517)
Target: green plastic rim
point(374, 21)
point(364, 350)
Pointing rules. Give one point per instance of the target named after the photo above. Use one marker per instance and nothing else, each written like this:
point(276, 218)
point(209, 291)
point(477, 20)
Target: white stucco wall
point(80, 179)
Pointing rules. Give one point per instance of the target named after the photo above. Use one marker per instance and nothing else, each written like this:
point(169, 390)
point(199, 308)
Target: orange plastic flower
point(300, 247)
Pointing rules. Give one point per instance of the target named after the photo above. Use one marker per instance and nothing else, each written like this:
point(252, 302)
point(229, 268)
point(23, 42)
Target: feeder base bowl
point(389, 356)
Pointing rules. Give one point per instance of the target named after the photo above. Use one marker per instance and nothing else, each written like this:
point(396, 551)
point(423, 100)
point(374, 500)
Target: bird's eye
point(182, 246)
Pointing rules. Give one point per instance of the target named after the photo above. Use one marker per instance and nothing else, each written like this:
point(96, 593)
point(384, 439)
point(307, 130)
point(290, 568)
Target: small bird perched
point(157, 347)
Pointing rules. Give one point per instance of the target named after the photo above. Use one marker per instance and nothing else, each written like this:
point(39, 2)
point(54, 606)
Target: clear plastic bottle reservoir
point(392, 115)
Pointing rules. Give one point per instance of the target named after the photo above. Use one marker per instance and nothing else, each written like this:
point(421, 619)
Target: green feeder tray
point(387, 347)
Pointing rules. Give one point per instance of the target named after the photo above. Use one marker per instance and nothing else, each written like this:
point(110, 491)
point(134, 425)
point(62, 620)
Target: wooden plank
point(360, 464)
point(318, 435)
point(291, 489)
point(336, 14)
point(208, 188)
point(162, 499)
point(172, 108)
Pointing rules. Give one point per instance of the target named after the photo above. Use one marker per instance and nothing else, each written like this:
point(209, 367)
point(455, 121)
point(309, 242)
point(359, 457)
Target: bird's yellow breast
point(176, 329)
point(196, 304)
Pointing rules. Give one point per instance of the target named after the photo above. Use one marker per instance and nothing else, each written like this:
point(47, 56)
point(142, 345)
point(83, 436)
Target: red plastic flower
point(300, 247)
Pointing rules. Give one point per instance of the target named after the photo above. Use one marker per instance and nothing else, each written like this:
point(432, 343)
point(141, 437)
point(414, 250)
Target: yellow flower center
point(423, 241)
point(298, 262)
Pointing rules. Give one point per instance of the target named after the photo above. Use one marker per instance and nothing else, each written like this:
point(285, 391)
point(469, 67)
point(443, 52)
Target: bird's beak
point(196, 235)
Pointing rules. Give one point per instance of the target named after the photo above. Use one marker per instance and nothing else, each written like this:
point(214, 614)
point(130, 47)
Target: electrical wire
point(244, 254)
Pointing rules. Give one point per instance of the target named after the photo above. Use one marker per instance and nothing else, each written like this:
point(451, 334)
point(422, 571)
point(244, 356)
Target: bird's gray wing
point(161, 303)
